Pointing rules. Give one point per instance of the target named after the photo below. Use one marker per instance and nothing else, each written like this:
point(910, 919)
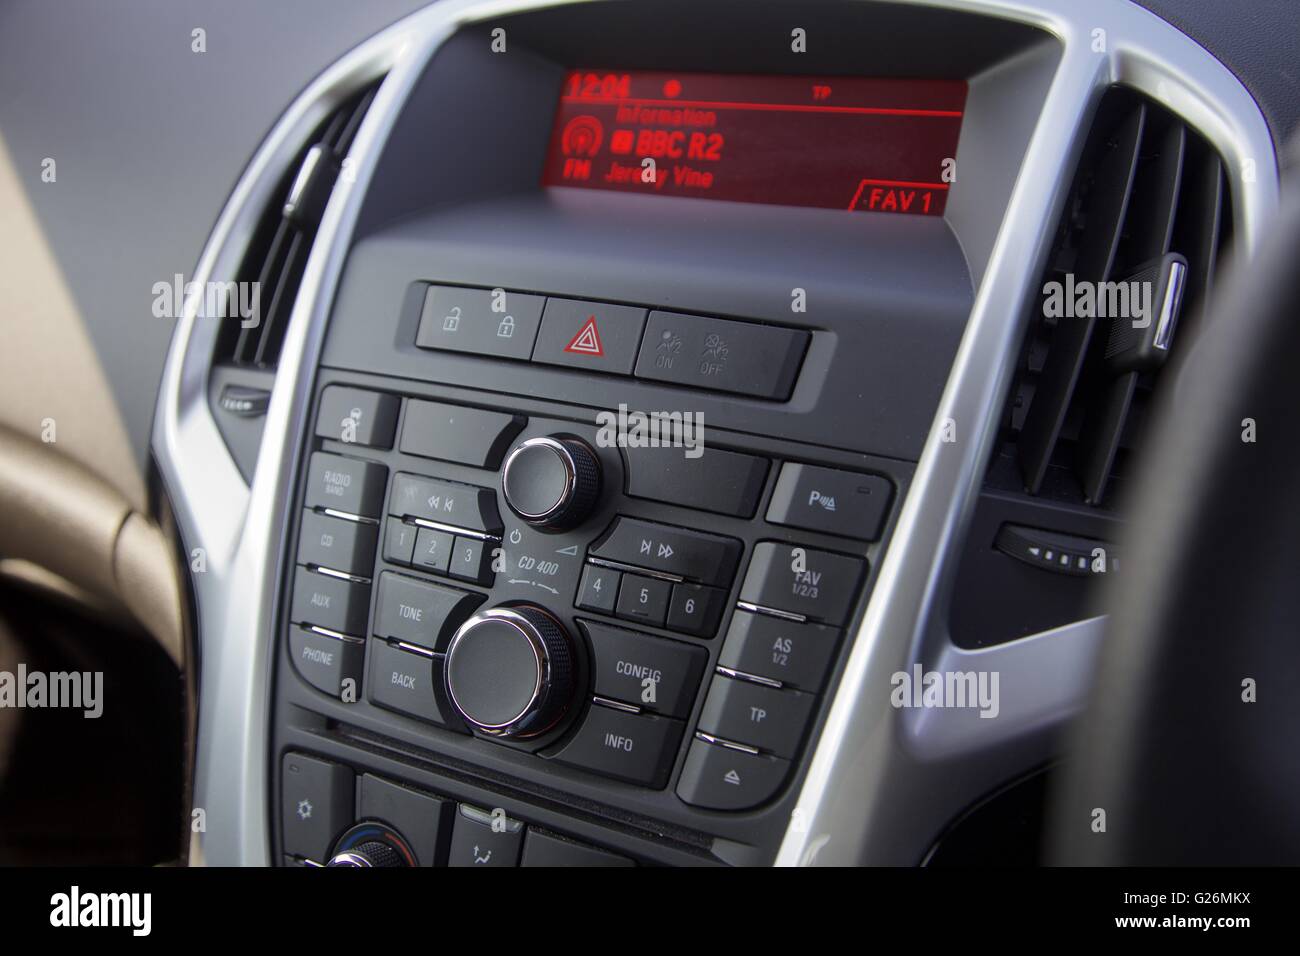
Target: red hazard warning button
point(592, 335)
point(587, 341)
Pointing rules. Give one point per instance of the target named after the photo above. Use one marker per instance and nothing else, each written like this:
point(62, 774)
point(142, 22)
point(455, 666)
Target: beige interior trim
point(64, 518)
point(49, 370)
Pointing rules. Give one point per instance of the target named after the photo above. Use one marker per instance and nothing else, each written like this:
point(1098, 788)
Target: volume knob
point(510, 671)
point(552, 483)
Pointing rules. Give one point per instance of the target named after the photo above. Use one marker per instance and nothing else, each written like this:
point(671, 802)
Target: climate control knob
point(372, 854)
point(510, 671)
point(552, 483)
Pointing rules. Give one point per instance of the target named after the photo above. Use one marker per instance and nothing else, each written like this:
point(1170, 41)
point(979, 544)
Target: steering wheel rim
point(1187, 751)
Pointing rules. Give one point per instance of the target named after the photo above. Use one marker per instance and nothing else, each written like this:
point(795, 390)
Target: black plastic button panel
point(736, 718)
point(324, 803)
point(744, 358)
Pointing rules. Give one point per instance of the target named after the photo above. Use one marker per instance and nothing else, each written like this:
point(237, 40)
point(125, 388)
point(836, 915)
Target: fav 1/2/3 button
point(716, 777)
point(815, 584)
point(595, 336)
point(635, 747)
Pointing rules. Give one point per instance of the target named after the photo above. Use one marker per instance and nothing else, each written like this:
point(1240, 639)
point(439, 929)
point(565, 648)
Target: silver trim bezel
point(845, 812)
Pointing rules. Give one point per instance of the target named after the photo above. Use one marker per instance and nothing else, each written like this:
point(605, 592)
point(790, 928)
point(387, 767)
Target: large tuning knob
point(510, 671)
point(552, 483)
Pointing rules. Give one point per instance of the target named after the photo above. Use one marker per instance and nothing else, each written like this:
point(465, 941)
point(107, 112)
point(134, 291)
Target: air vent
point(1133, 258)
point(278, 252)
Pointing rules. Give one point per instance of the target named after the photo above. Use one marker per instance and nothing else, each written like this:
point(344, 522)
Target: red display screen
point(833, 142)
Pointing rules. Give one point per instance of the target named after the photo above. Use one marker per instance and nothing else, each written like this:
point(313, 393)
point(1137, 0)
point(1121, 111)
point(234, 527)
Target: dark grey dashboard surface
point(150, 137)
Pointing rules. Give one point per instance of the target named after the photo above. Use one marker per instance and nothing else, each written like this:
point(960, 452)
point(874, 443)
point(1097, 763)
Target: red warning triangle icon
point(587, 341)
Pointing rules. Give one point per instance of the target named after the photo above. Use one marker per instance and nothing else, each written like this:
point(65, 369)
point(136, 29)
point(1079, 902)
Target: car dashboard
point(638, 414)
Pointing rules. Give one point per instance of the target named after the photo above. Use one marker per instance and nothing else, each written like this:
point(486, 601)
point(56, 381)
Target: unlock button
point(483, 321)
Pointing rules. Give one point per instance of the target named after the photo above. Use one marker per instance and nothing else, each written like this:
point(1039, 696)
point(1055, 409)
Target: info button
point(594, 336)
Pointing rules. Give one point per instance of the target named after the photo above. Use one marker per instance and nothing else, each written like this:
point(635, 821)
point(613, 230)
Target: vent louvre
point(277, 254)
point(1148, 207)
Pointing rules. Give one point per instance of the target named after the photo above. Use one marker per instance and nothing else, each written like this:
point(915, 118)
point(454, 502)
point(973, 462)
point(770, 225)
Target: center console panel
point(513, 628)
